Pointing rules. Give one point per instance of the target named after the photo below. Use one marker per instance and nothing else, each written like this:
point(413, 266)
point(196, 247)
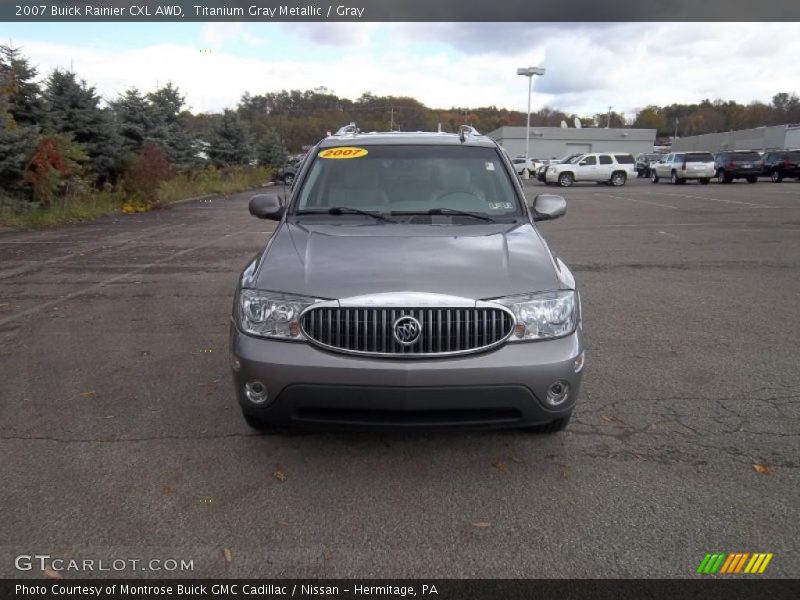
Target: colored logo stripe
point(734, 563)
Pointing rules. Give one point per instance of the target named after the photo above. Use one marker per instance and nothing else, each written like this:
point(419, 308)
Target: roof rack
point(465, 130)
point(351, 129)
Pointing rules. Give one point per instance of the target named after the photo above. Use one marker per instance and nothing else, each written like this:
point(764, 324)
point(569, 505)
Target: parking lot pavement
point(120, 437)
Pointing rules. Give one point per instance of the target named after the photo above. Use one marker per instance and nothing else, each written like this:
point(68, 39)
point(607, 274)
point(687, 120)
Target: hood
point(351, 259)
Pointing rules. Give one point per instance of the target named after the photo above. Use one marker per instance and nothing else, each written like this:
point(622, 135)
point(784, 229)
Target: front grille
point(443, 330)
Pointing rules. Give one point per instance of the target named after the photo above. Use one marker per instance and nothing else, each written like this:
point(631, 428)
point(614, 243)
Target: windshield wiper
point(347, 210)
point(447, 211)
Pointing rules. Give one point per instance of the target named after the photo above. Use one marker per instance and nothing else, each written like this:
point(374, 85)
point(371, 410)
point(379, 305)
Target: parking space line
point(38, 307)
point(640, 200)
point(41, 264)
point(693, 196)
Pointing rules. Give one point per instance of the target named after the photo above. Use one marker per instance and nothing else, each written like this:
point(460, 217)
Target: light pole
point(529, 72)
point(608, 121)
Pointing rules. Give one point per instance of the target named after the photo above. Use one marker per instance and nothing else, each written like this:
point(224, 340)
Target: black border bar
point(711, 588)
point(400, 10)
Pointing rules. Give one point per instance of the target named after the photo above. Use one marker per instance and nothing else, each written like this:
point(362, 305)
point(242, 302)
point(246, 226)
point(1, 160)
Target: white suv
point(681, 166)
point(602, 167)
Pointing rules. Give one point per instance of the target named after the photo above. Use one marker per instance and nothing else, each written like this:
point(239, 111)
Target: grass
point(24, 215)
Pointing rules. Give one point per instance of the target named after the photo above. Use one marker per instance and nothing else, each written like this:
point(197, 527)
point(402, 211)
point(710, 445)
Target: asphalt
point(120, 437)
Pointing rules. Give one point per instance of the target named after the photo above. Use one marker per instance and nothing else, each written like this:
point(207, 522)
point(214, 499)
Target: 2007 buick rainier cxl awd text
point(407, 286)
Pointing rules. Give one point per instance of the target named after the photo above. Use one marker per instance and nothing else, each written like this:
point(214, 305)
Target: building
point(777, 137)
point(556, 142)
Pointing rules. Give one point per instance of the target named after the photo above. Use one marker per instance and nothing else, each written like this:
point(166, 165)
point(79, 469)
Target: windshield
point(751, 156)
point(700, 157)
point(409, 178)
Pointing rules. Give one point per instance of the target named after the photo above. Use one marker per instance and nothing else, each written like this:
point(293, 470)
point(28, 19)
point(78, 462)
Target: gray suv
point(407, 285)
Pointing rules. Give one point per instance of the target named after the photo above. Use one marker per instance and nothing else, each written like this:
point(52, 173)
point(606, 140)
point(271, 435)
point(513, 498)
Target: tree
point(150, 169)
point(228, 143)
point(74, 107)
point(135, 120)
point(16, 144)
point(170, 128)
point(271, 150)
point(24, 100)
point(54, 162)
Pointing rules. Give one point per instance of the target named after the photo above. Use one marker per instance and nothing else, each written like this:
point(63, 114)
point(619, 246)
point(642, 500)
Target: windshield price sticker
point(346, 152)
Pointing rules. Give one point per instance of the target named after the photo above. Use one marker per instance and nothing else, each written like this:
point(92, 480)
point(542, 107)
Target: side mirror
point(266, 206)
point(546, 207)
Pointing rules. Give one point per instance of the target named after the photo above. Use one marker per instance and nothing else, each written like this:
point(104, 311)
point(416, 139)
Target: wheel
point(752, 179)
point(288, 179)
point(618, 178)
point(653, 176)
point(565, 179)
point(722, 177)
point(705, 180)
point(674, 178)
point(776, 176)
point(552, 426)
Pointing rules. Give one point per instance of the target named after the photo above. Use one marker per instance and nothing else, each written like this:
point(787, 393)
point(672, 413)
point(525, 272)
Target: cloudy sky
point(589, 66)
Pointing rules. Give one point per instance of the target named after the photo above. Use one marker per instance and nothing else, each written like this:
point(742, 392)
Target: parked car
point(540, 172)
point(738, 164)
point(605, 167)
point(521, 163)
point(644, 162)
point(680, 167)
point(287, 173)
point(779, 164)
point(407, 285)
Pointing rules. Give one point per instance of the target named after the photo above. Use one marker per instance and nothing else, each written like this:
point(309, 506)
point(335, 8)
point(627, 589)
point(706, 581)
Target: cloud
point(589, 66)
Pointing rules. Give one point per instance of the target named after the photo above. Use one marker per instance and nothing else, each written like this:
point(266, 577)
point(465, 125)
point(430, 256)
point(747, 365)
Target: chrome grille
point(443, 330)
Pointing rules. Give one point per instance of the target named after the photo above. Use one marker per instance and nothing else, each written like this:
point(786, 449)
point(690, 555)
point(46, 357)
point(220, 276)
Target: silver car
point(407, 286)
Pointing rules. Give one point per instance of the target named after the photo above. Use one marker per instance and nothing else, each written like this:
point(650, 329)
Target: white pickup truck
point(602, 167)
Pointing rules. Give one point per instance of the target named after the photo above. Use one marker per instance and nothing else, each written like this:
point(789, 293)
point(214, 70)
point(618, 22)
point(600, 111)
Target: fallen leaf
point(500, 466)
point(762, 469)
point(481, 524)
point(228, 554)
point(52, 574)
point(169, 490)
point(517, 460)
point(280, 475)
point(91, 394)
point(640, 455)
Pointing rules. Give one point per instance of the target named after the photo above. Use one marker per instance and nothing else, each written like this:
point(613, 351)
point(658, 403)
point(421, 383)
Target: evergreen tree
point(271, 150)
point(24, 95)
point(170, 130)
point(135, 120)
point(16, 144)
point(228, 143)
point(72, 106)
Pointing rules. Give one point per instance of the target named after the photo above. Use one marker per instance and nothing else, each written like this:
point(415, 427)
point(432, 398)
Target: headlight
point(543, 316)
point(273, 315)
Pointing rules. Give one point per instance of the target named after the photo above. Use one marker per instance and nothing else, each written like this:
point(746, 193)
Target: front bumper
point(310, 387)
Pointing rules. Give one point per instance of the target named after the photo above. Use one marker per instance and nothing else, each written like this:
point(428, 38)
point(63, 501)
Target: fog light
point(557, 393)
point(578, 364)
point(256, 392)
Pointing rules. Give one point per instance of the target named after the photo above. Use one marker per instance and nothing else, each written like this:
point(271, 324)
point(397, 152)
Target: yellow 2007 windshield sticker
point(344, 152)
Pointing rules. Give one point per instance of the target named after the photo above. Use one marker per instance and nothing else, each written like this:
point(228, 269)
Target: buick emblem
point(407, 330)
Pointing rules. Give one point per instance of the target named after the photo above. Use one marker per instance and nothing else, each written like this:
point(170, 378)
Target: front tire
point(288, 179)
point(752, 179)
point(722, 177)
point(674, 178)
point(776, 176)
point(566, 179)
point(653, 176)
point(618, 179)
